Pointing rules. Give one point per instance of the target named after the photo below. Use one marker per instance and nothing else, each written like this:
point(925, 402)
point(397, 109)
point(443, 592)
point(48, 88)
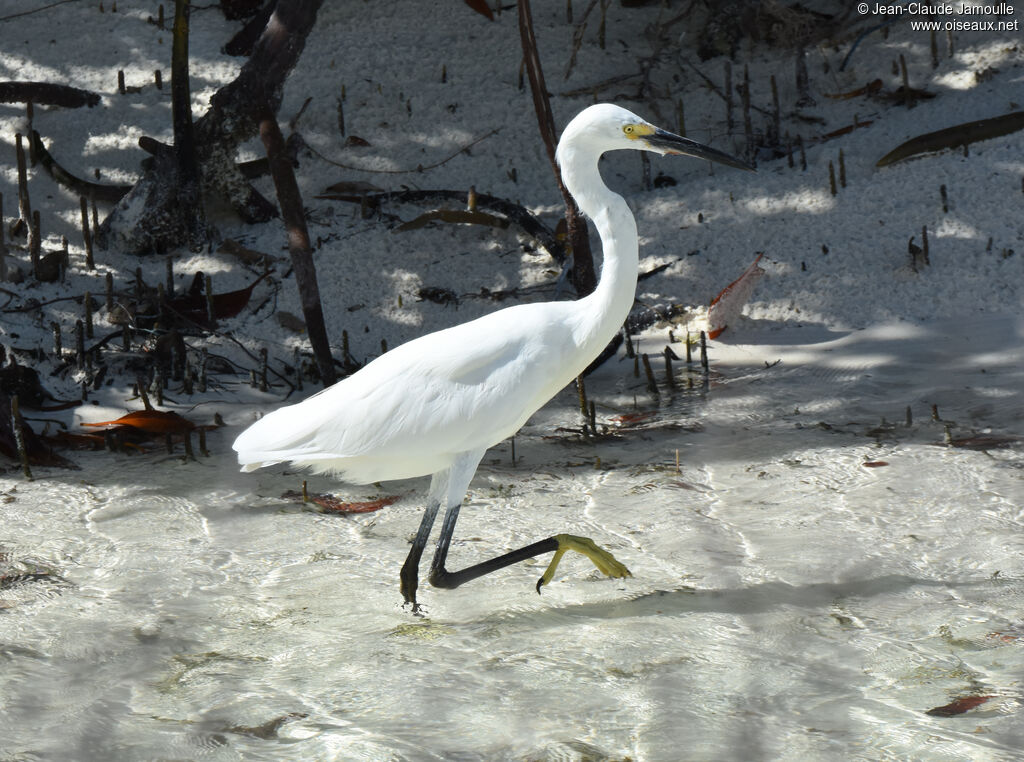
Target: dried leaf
point(874, 463)
point(481, 7)
point(727, 306)
point(151, 421)
point(76, 441)
point(1013, 634)
point(244, 254)
point(331, 504)
point(353, 187)
point(847, 129)
point(871, 87)
point(631, 419)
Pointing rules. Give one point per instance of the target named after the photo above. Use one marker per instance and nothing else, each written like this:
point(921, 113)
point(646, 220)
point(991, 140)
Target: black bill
point(670, 143)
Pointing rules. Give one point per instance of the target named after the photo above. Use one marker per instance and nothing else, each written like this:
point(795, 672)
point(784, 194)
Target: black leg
point(559, 544)
point(409, 575)
point(441, 577)
point(450, 486)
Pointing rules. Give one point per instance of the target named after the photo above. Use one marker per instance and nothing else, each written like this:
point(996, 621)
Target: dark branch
point(47, 94)
point(80, 187)
point(186, 160)
point(290, 200)
point(515, 213)
point(583, 277)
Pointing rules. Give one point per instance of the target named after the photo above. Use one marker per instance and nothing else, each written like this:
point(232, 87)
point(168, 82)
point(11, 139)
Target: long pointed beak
point(666, 142)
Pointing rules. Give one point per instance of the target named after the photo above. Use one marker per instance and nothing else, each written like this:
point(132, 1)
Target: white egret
point(435, 404)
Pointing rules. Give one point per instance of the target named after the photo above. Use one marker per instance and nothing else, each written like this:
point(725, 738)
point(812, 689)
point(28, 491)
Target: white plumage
point(435, 404)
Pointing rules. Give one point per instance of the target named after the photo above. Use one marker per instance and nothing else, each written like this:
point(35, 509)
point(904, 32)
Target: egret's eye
point(629, 129)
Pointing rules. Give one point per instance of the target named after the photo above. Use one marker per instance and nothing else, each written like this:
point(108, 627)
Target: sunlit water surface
point(788, 601)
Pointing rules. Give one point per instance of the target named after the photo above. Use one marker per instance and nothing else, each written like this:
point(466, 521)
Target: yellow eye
point(629, 129)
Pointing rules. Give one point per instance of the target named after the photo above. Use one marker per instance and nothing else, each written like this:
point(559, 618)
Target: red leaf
point(961, 705)
point(193, 304)
point(627, 419)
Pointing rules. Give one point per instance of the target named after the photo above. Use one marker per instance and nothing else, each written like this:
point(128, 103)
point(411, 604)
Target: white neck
point(602, 313)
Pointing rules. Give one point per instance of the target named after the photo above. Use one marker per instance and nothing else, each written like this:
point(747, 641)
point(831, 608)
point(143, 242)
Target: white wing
point(410, 411)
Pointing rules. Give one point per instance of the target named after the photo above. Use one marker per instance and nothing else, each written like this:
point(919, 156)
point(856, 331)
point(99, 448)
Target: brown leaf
point(874, 463)
point(481, 7)
point(353, 188)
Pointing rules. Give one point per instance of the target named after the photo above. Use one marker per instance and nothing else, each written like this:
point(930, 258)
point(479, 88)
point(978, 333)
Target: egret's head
point(607, 127)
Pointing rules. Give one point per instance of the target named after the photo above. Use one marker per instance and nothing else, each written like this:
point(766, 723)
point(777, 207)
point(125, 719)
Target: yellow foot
point(601, 558)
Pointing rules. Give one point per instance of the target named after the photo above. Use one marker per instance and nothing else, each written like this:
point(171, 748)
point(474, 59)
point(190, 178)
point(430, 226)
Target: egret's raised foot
point(602, 559)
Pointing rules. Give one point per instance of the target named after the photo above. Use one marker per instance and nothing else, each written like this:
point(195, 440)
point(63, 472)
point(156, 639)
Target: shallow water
point(788, 601)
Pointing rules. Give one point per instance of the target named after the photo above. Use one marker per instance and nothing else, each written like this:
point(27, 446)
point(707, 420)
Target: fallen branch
point(583, 277)
point(244, 41)
point(958, 135)
point(418, 168)
point(78, 186)
point(290, 200)
point(47, 94)
point(515, 213)
point(185, 152)
point(454, 217)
